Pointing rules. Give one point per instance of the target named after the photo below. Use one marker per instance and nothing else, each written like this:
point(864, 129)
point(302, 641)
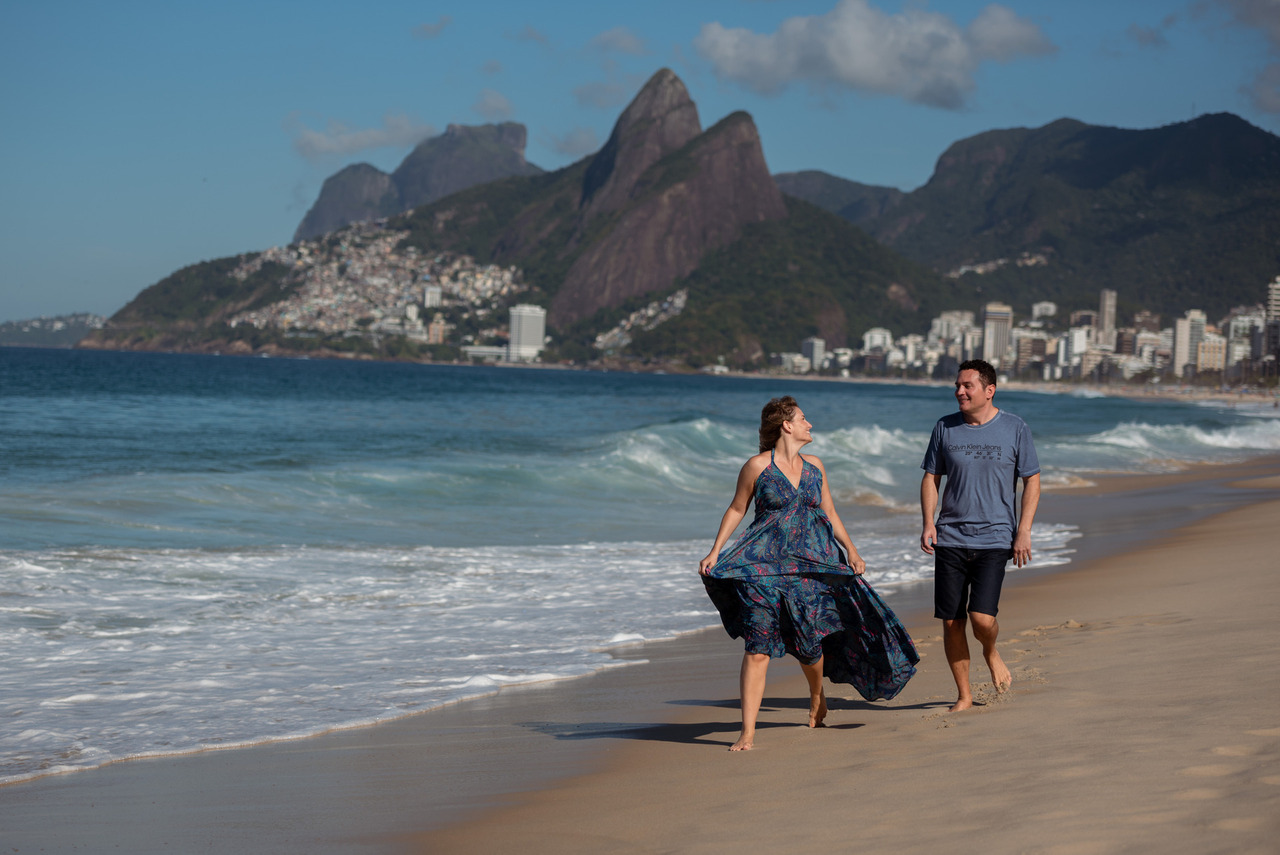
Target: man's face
point(971, 395)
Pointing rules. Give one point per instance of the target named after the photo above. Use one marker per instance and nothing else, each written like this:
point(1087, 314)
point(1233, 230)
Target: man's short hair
point(986, 373)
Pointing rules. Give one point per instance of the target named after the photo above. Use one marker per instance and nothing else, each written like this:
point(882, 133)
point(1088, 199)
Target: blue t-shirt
point(981, 465)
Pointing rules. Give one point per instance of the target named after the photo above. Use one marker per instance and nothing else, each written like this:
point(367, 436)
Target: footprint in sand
point(1240, 823)
point(1211, 771)
point(1200, 794)
point(1234, 751)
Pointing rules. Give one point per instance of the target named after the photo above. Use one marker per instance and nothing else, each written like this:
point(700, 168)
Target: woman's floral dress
point(784, 587)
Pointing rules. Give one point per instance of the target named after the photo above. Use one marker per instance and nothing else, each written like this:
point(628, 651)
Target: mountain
point(463, 156)
point(624, 223)
point(686, 226)
point(809, 274)
point(852, 200)
point(664, 207)
point(1178, 217)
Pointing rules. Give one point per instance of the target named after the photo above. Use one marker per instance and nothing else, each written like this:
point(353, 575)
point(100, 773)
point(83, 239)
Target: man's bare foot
point(1001, 678)
point(961, 705)
point(818, 710)
point(744, 743)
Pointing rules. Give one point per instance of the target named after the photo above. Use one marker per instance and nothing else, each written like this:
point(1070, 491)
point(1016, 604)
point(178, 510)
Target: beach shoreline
point(435, 780)
point(1107, 742)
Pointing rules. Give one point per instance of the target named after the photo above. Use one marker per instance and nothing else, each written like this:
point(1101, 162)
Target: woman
point(784, 587)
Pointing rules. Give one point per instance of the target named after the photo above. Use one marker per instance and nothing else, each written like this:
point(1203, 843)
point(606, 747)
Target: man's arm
point(928, 505)
point(1030, 501)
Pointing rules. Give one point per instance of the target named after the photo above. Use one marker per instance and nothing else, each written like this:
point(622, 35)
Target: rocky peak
point(658, 121)
point(695, 199)
point(463, 156)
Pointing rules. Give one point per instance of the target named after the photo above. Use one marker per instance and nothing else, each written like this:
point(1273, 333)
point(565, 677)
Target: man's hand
point(1022, 548)
point(928, 538)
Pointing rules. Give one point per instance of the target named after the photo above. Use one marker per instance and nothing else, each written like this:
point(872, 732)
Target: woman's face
point(800, 427)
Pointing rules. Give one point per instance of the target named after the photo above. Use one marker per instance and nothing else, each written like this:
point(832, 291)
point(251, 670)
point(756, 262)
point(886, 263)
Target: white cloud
point(338, 139)
point(430, 31)
point(576, 143)
point(493, 105)
point(620, 40)
point(921, 56)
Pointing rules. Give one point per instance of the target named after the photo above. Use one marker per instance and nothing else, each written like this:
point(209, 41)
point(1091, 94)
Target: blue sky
point(139, 137)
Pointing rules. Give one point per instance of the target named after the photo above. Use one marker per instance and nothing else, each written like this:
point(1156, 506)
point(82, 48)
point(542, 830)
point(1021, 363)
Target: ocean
point(203, 552)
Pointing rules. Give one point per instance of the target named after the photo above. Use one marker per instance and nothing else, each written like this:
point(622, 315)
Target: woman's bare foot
point(961, 705)
point(745, 743)
point(818, 709)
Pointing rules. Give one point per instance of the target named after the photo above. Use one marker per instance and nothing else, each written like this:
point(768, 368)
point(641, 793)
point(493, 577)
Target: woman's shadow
point(706, 732)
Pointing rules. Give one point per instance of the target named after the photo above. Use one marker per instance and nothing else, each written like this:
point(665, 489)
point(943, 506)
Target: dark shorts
point(967, 580)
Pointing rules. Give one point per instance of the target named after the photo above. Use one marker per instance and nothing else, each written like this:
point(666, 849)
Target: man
point(982, 452)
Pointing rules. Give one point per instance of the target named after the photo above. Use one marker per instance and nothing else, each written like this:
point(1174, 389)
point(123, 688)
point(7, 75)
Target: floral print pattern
point(784, 588)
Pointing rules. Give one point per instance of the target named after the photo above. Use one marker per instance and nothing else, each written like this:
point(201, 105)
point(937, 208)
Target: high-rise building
point(997, 324)
point(815, 349)
point(1273, 300)
point(528, 333)
point(1107, 318)
point(433, 297)
point(1187, 334)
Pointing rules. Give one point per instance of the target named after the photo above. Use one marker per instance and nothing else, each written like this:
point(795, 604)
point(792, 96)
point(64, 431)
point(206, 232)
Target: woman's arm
point(737, 509)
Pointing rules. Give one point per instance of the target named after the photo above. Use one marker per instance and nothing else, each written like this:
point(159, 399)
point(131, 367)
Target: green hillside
point(809, 274)
point(1184, 216)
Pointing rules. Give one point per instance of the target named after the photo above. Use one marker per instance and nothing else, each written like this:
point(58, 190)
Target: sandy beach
point(1142, 718)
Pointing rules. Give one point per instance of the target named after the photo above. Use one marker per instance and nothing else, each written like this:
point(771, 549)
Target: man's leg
point(751, 686)
point(955, 644)
point(986, 629)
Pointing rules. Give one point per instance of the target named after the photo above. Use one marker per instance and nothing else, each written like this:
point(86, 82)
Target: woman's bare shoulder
point(815, 461)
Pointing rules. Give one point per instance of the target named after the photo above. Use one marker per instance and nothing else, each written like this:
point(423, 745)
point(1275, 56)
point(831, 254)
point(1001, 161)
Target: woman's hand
point(705, 565)
point(855, 561)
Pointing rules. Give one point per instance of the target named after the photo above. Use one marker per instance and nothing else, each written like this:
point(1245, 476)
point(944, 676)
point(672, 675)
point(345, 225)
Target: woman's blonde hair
point(777, 411)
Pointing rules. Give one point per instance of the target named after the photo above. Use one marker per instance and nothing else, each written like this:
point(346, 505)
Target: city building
point(950, 326)
point(1211, 353)
point(877, 338)
point(792, 363)
point(815, 349)
point(433, 297)
point(1187, 333)
point(1273, 300)
point(1044, 309)
point(997, 323)
point(1084, 318)
point(1107, 319)
point(1145, 321)
point(528, 333)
